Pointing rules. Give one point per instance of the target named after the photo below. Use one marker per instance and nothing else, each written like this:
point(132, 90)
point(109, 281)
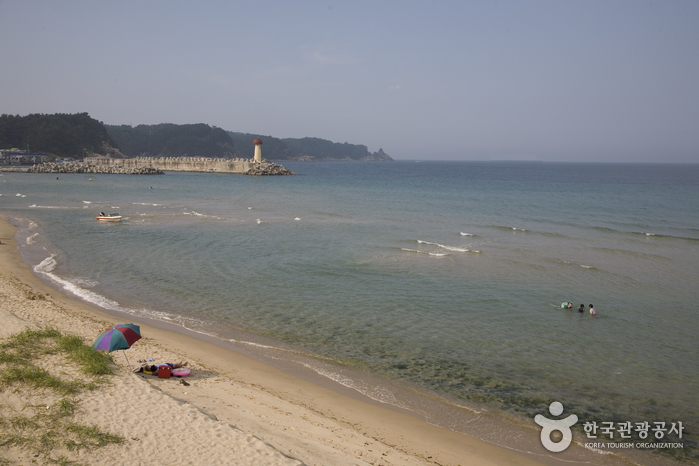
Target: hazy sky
point(471, 80)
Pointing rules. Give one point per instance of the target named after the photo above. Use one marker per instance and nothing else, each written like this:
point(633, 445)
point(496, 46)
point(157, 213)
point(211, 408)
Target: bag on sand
point(164, 372)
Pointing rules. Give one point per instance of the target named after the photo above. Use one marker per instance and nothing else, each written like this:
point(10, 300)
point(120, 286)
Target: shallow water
point(444, 277)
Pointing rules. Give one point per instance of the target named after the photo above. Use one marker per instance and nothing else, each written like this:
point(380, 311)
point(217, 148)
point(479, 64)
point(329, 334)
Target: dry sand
point(236, 410)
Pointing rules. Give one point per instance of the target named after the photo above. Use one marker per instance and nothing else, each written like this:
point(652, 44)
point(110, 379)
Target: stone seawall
point(78, 167)
point(193, 164)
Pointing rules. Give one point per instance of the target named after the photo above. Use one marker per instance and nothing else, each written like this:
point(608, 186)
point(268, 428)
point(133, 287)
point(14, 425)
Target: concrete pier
point(193, 164)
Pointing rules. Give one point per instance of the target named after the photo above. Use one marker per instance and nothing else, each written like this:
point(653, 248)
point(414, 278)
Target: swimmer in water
point(582, 308)
point(592, 310)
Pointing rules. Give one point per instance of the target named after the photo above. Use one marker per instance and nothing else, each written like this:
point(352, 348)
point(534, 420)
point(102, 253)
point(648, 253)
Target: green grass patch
point(90, 361)
point(36, 428)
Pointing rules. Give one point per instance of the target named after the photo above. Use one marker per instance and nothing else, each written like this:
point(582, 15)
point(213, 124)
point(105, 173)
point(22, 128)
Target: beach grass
point(45, 425)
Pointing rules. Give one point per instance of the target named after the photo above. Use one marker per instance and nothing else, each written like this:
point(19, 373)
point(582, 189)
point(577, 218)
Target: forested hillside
point(170, 140)
point(75, 135)
point(322, 149)
point(60, 134)
point(304, 149)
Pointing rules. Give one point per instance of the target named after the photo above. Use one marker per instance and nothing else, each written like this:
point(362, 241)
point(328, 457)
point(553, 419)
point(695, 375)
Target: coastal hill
point(309, 149)
point(76, 135)
point(170, 140)
point(60, 134)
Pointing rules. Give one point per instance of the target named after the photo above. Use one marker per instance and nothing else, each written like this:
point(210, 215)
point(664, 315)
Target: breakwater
point(79, 167)
point(193, 164)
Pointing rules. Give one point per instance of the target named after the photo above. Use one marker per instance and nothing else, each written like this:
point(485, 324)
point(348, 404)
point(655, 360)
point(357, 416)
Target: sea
point(426, 286)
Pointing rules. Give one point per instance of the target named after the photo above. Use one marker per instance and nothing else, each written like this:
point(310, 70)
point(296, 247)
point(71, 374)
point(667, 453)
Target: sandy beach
point(235, 410)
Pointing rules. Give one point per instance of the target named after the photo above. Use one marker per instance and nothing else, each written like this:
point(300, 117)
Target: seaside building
point(258, 150)
point(21, 157)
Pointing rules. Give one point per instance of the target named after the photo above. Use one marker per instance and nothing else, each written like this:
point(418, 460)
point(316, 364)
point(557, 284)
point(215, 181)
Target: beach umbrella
point(119, 337)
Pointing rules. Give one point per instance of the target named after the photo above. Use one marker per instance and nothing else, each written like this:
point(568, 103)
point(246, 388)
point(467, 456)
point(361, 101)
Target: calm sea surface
point(399, 279)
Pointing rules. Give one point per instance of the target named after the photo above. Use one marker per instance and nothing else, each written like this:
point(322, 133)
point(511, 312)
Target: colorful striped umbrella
point(119, 337)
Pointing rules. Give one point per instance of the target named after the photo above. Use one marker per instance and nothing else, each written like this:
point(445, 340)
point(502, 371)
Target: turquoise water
point(442, 277)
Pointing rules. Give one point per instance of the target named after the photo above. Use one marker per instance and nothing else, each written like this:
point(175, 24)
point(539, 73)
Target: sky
point(565, 81)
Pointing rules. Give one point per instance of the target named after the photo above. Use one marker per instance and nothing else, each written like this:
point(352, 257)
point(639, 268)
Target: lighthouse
point(258, 150)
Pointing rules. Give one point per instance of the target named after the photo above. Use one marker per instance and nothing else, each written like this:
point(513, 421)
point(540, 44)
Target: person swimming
point(567, 305)
point(592, 310)
point(582, 308)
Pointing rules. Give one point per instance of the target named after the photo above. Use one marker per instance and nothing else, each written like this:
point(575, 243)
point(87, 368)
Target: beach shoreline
point(302, 420)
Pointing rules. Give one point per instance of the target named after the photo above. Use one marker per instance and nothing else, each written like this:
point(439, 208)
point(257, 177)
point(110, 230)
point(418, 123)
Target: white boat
point(102, 217)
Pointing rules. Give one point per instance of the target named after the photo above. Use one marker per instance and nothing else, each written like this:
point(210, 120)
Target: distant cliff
point(308, 149)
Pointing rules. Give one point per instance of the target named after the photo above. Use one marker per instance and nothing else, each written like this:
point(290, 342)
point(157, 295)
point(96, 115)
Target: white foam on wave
point(586, 266)
point(465, 234)
point(448, 248)
point(33, 225)
point(650, 234)
point(297, 218)
point(47, 265)
point(250, 343)
point(519, 229)
point(18, 195)
point(146, 203)
point(46, 268)
point(87, 202)
point(258, 221)
point(380, 394)
point(85, 282)
point(436, 254)
point(32, 239)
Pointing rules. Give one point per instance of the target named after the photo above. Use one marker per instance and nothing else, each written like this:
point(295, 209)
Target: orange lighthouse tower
point(258, 150)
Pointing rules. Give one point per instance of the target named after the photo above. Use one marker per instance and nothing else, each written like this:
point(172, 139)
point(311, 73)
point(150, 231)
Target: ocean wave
point(146, 203)
point(436, 254)
point(648, 234)
point(85, 282)
point(448, 248)
point(631, 253)
point(46, 268)
point(376, 393)
point(32, 239)
point(465, 234)
point(524, 230)
point(87, 202)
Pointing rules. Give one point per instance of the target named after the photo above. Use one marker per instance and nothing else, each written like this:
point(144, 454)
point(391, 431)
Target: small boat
point(102, 217)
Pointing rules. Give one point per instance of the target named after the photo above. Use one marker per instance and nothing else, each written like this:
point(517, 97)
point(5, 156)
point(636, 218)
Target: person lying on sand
point(152, 368)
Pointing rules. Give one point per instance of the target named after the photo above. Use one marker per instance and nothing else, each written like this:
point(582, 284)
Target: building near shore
point(21, 157)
